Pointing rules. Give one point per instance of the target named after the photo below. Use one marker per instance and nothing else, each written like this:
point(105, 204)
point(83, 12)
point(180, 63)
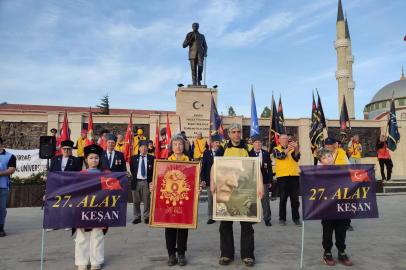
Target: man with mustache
point(227, 181)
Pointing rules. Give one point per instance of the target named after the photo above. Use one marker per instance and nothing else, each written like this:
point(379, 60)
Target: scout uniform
point(138, 138)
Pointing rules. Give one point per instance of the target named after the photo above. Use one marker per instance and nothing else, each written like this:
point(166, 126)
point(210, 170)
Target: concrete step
point(394, 189)
point(397, 183)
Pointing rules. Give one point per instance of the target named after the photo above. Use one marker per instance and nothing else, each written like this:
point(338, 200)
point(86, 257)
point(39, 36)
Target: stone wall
point(116, 129)
point(367, 136)
point(22, 136)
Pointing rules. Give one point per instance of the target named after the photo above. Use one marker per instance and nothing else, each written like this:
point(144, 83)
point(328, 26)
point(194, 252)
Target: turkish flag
point(129, 135)
point(110, 183)
point(404, 38)
point(359, 176)
point(65, 128)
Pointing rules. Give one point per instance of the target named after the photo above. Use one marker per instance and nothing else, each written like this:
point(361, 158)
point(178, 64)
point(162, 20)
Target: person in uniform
point(58, 142)
point(176, 239)
point(207, 162)
point(113, 160)
point(138, 138)
point(142, 169)
point(102, 140)
point(355, 150)
point(120, 145)
point(236, 147)
point(199, 145)
point(89, 242)
point(339, 155)
point(8, 165)
point(80, 145)
point(65, 162)
point(266, 171)
point(384, 159)
point(151, 148)
point(287, 156)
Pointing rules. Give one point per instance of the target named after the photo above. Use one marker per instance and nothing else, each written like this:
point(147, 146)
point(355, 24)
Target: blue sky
point(73, 52)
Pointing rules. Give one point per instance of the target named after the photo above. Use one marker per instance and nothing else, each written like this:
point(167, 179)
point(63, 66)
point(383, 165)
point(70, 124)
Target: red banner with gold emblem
point(174, 201)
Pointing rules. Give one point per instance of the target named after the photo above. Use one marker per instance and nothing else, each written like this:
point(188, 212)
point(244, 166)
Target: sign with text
point(338, 192)
point(85, 200)
point(174, 201)
point(28, 162)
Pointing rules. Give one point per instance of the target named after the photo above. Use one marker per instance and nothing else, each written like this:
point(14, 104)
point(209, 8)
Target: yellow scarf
point(184, 158)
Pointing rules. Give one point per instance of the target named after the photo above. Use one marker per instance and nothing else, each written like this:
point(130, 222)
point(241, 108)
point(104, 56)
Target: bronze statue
point(197, 52)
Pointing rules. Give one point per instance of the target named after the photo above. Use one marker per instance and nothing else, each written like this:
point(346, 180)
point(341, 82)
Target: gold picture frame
point(174, 201)
point(237, 181)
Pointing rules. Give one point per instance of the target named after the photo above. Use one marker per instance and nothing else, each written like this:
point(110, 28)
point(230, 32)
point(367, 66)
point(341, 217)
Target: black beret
point(143, 142)
point(111, 137)
point(93, 149)
point(67, 143)
point(54, 129)
point(256, 137)
point(215, 138)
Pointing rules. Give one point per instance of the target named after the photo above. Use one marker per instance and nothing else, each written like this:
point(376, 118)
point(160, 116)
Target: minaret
point(351, 84)
point(341, 45)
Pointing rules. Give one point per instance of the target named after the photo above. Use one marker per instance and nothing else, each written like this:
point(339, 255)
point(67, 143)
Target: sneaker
point(342, 257)
point(172, 260)
point(49, 230)
point(390, 181)
point(297, 223)
point(136, 221)
point(268, 223)
point(282, 222)
point(249, 262)
point(328, 258)
point(225, 261)
point(181, 260)
point(146, 221)
point(383, 181)
point(210, 221)
point(2, 234)
point(96, 267)
point(68, 229)
point(350, 228)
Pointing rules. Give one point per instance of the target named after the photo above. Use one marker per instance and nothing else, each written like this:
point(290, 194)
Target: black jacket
point(73, 164)
point(266, 166)
point(118, 162)
point(134, 169)
point(207, 162)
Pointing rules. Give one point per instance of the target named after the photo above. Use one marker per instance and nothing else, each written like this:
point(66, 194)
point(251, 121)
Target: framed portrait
point(237, 180)
point(174, 202)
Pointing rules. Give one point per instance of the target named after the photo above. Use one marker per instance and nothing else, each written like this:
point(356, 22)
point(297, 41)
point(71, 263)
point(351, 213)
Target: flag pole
point(301, 258)
point(270, 125)
point(42, 252)
point(284, 125)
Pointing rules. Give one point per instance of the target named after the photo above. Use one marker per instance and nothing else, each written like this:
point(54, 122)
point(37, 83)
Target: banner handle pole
point(42, 252)
point(301, 258)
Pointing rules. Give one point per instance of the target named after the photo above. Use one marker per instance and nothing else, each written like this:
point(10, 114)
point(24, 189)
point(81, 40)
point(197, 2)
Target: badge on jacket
point(266, 166)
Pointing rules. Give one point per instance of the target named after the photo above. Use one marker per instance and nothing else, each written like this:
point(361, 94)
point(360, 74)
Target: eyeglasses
point(66, 149)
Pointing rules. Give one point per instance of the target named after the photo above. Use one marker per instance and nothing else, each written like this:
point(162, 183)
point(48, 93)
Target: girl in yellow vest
point(355, 150)
point(120, 145)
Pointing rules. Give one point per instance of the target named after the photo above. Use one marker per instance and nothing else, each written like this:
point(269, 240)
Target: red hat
point(84, 131)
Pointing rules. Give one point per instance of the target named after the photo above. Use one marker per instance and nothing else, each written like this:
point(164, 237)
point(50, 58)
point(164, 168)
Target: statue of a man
point(197, 52)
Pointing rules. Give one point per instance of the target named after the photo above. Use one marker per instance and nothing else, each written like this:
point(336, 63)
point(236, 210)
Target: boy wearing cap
point(80, 144)
point(138, 138)
point(266, 171)
point(113, 160)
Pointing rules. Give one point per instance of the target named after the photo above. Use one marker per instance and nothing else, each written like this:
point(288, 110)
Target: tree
point(231, 111)
point(266, 113)
point(104, 106)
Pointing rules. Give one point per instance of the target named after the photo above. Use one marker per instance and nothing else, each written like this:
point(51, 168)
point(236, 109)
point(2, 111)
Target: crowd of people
point(279, 173)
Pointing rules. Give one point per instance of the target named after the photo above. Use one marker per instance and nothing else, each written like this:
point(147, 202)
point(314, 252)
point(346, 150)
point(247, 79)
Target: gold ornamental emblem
point(174, 187)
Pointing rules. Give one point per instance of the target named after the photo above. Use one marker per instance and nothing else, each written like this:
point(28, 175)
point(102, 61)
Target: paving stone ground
point(375, 243)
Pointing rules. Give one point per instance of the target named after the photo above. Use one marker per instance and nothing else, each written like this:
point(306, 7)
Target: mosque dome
point(397, 88)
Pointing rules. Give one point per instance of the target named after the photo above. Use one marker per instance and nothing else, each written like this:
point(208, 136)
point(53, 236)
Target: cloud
point(307, 39)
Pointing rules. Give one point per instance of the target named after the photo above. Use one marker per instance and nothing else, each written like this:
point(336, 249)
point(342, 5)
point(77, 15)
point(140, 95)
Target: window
point(401, 102)
point(376, 106)
point(383, 104)
point(403, 116)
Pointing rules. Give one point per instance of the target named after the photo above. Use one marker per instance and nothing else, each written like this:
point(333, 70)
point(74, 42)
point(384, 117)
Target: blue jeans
point(3, 202)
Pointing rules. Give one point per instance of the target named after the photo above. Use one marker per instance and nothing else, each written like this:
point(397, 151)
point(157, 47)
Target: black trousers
point(388, 163)
point(176, 240)
point(274, 189)
point(227, 240)
point(82, 161)
point(197, 68)
point(339, 226)
point(315, 160)
point(289, 187)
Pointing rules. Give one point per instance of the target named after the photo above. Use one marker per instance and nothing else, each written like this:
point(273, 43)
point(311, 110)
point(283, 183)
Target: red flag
point(65, 128)
point(168, 136)
point(90, 137)
point(359, 176)
point(129, 135)
point(157, 142)
point(404, 38)
point(110, 183)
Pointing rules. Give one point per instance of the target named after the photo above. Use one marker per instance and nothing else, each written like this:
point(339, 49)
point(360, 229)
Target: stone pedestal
point(193, 104)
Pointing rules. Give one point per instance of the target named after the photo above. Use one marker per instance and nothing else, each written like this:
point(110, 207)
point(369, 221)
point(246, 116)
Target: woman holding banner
point(90, 241)
point(176, 239)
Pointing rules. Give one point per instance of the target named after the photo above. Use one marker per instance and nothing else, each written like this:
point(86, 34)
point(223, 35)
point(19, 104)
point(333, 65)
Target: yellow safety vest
point(81, 144)
point(339, 157)
point(136, 140)
point(355, 152)
point(200, 147)
point(183, 158)
point(120, 148)
point(286, 166)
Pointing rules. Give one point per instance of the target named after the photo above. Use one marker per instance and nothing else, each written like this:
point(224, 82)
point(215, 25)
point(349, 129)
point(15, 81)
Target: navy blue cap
point(330, 140)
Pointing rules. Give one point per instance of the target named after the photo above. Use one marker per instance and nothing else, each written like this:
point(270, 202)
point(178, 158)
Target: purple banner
point(85, 200)
point(338, 192)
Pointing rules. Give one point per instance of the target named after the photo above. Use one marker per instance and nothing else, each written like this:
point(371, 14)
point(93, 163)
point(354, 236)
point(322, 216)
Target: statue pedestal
point(193, 105)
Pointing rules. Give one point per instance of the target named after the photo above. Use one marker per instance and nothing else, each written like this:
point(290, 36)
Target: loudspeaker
point(47, 147)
